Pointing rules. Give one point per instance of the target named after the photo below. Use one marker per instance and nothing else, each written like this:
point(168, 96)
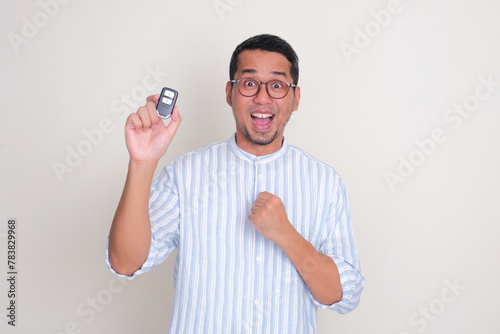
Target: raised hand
point(147, 137)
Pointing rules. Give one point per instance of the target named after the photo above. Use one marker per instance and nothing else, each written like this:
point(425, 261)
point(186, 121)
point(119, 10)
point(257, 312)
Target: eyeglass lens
point(276, 88)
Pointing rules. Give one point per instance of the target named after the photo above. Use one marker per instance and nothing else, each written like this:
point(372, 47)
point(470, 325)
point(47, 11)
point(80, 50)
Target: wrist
point(143, 164)
point(290, 238)
point(142, 167)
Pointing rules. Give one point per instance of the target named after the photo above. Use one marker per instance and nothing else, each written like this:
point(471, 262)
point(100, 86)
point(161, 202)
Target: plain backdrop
point(402, 98)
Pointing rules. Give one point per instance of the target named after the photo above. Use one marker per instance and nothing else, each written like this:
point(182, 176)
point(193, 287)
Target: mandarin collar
point(238, 151)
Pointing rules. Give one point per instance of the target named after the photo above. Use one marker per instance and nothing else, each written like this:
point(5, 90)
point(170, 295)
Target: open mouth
point(262, 121)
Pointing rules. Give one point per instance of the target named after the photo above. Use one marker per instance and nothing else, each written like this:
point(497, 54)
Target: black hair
point(270, 43)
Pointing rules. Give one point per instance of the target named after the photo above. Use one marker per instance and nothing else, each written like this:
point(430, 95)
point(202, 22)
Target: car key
point(166, 102)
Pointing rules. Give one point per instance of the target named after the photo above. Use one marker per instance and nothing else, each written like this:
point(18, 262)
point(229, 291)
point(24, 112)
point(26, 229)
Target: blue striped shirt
point(229, 278)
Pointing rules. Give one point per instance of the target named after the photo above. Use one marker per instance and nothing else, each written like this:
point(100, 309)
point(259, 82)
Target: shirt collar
point(238, 151)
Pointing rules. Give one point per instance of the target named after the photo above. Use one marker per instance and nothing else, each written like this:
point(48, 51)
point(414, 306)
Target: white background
point(65, 74)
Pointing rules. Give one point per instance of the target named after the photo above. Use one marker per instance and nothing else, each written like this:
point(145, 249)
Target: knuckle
point(142, 111)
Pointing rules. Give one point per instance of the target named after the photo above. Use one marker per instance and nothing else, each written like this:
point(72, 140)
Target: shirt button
point(260, 176)
point(257, 258)
point(258, 160)
point(256, 301)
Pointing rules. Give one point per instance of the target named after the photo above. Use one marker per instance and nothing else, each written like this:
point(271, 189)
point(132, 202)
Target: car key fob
point(166, 102)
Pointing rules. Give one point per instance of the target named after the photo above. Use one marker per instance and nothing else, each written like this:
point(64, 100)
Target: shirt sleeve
point(340, 245)
point(164, 217)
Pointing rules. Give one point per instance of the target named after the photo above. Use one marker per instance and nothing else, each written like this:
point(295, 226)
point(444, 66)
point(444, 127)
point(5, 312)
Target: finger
point(253, 217)
point(153, 115)
point(265, 195)
point(175, 121)
point(176, 117)
point(143, 114)
point(133, 121)
point(259, 202)
point(153, 98)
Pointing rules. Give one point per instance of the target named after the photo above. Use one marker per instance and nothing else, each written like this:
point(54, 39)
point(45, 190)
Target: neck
point(256, 149)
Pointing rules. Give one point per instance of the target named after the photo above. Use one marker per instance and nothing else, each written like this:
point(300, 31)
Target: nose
point(262, 96)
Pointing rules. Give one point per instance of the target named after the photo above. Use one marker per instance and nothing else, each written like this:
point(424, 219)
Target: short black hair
point(270, 43)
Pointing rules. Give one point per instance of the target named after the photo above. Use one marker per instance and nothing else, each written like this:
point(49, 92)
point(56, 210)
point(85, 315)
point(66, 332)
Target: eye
point(277, 85)
point(249, 83)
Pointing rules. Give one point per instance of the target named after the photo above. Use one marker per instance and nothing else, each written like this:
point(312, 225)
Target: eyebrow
point(252, 71)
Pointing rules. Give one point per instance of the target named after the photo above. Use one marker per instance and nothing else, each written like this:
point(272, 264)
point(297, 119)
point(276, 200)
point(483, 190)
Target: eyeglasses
point(277, 89)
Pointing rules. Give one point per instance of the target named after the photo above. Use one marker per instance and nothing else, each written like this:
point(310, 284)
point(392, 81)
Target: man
point(262, 229)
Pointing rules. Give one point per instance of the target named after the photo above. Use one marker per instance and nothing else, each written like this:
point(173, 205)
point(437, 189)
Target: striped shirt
point(229, 278)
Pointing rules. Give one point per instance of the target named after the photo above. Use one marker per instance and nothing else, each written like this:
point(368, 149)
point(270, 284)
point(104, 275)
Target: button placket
point(257, 256)
point(259, 172)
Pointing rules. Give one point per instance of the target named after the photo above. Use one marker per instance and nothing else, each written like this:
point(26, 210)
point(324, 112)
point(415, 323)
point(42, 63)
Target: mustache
point(269, 110)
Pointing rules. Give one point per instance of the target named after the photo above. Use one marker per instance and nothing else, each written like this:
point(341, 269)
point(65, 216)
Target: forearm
point(318, 271)
point(130, 234)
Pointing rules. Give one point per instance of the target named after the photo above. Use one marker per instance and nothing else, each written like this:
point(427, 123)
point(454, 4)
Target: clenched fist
point(268, 215)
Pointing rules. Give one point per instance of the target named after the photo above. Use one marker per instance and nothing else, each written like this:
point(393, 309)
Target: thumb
point(175, 121)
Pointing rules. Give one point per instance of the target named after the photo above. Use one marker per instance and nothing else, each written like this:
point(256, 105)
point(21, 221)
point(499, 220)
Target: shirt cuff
point(147, 266)
point(352, 283)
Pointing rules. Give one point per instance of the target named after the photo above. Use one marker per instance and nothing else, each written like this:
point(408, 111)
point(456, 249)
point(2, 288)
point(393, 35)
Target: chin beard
point(260, 141)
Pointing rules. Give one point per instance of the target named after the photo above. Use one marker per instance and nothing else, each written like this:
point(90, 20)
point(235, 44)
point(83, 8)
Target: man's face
point(261, 119)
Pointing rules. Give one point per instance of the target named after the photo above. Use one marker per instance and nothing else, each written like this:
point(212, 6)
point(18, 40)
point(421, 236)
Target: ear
point(229, 92)
point(296, 99)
